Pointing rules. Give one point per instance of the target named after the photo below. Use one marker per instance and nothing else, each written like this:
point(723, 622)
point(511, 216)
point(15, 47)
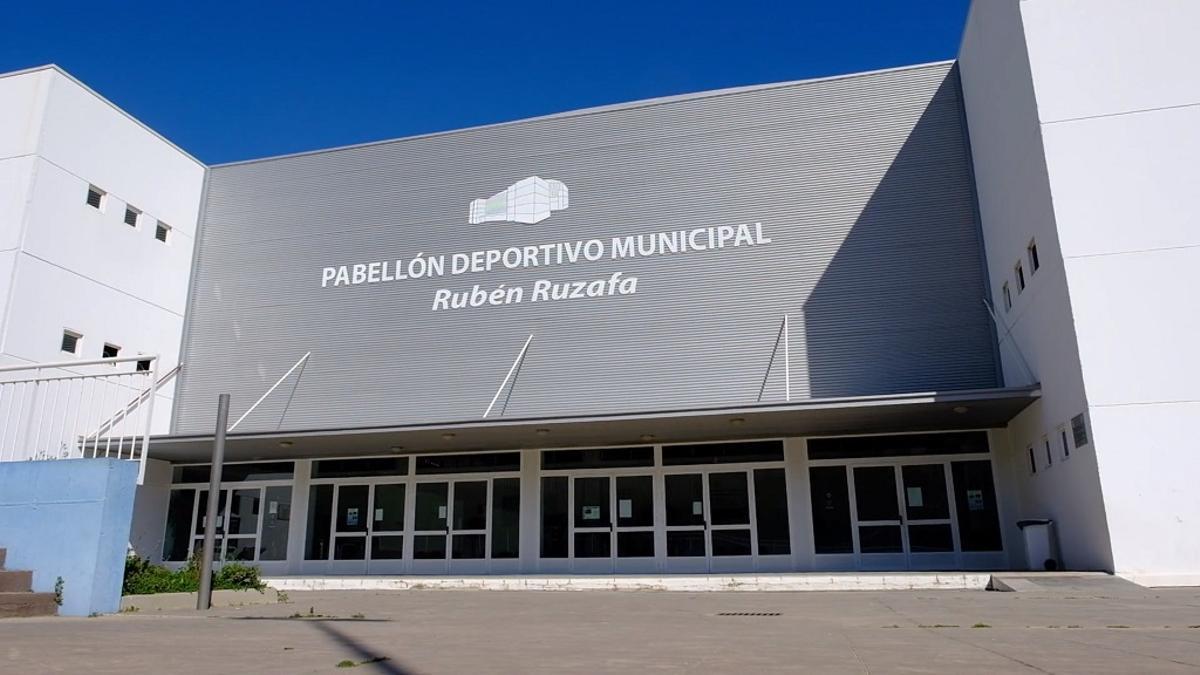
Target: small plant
point(58, 591)
point(132, 609)
point(981, 625)
point(281, 596)
point(144, 577)
point(358, 616)
point(346, 663)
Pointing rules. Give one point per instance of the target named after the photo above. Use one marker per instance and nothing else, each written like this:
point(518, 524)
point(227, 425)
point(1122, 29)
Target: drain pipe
point(204, 597)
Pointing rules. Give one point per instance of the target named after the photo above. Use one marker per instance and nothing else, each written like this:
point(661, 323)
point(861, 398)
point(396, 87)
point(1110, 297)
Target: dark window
point(1020, 273)
point(685, 499)
point(830, 509)
point(598, 458)
point(975, 501)
point(729, 498)
point(1065, 443)
point(723, 453)
point(276, 520)
point(389, 508)
point(390, 547)
point(771, 512)
point(1049, 455)
point(907, 445)
point(1079, 431)
point(635, 501)
point(485, 461)
point(685, 543)
point(1034, 262)
point(554, 517)
point(70, 342)
point(95, 197)
point(143, 365)
point(320, 517)
point(592, 508)
point(1007, 297)
point(131, 216)
point(370, 466)
point(506, 518)
point(109, 351)
point(593, 545)
point(635, 544)
point(161, 231)
point(730, 542)
point(1032, 460)
point(179, 525)
point(233, 473)
point(875, 493)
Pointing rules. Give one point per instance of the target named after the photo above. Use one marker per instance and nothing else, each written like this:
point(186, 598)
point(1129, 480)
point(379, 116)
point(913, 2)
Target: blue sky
point(238, 80)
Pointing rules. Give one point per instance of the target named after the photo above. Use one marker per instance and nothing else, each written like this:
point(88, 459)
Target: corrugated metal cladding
point(861, 183)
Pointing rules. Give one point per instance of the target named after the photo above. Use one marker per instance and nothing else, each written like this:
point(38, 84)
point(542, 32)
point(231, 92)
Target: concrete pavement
point(1064, 628)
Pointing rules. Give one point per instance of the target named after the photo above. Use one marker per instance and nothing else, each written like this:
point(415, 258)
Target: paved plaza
point(1060, 627)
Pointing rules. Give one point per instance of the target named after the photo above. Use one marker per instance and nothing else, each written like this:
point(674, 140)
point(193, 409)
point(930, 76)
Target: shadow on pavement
point(366, 657)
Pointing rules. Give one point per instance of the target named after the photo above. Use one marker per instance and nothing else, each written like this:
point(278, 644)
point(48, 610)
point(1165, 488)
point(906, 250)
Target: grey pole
point(204, 598)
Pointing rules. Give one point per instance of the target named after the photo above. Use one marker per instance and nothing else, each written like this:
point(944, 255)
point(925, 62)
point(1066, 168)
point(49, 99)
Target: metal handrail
point(81, 362)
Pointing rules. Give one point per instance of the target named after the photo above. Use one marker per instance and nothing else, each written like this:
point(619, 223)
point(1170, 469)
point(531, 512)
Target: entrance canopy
point(965, 409)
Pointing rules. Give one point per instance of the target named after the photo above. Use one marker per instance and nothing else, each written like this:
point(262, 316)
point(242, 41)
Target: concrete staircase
point(16, 598)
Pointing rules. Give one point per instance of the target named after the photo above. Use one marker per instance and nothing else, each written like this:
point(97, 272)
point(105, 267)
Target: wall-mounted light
point(960, 409)
point(286, 444)
point(541, 432)
point(646, 438)
point(448, 435)
point(396, 448)
point(737, 421)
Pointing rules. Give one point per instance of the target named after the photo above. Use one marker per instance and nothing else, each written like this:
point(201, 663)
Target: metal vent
point(94, 197)
point(749, 613)
point(131, 216)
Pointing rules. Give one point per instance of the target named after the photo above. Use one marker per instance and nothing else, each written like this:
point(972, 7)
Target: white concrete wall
point(64, 264)
point(1118, 100)
point(1037, 336)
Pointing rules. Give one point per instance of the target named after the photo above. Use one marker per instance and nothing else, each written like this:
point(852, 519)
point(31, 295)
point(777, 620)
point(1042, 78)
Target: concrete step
point(15, 581)
point(27, 604)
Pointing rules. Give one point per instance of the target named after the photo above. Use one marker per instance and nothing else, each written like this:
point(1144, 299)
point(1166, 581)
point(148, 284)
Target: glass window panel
point(506, 518)
point(635, 501)
point(930, 538)
point(729, 498)
point(879, 539)
point(353, 547)
point(431, 505)
point(925, 491)
point(975, 501)
point(370, 466)
point(592, 506)
point(352, 508)
point(904, 445)
point(771, 512)
point(179, 525)
point(240, 548)
point(598, 458)
point(830, 509)
point(243, 512)
point(388, 513)
point(555, 512)
point(593, 545)
point(387, 547)
point(470, 505)
point(476, 462)
point(730, 542)
point(276, 521)
point(234, 473)
point(635, 544)
point(469, 546)
point(684, 499)
point(723, 453)
point(198, 547)
point(875, 493)
point(202, 511)
point(685, 544)
point(429, 547)
point(320, 517)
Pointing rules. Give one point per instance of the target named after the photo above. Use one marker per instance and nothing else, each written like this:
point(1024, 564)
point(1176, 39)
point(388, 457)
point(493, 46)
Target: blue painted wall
point(69, 518)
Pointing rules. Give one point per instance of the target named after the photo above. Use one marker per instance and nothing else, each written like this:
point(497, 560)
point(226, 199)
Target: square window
point(70, 341)
point(1020, 273)
point(95, 197)
point(1004, 290)
point(1032, 460)
point(143, 366)
point(1079, 431)
point(162, 231)
point(1066, 444)
point(109, 351)
point(1034, 262)
point(131, 216)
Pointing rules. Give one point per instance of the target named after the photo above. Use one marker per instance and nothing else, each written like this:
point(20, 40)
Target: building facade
point(867, 322)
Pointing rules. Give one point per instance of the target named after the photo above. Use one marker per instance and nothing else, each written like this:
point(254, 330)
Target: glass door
point(450, 529)
point(612, 524)
point(386, 533)
point(709, 521)
point(350, 511)
point(902, 517)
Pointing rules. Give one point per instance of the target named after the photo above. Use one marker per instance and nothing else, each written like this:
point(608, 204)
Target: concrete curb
point(690, 583)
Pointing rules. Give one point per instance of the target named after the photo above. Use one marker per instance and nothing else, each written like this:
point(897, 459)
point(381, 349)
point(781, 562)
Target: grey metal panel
point(861, 182)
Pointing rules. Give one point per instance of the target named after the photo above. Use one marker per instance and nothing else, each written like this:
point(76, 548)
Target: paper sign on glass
point(272, 508)
point(378, 514)
point(915, 499)
point(975, 500)
point(624, 508)
point(697, 508)
point(591, 513)
point(441, 512)
point(352, 516)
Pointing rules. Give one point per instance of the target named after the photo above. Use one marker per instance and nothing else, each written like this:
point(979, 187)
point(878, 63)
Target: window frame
point(1033, 467)
point(137, 216)
point(1019, 272)
point(1035, 262)
point(116, 350)
point(1066, 442)
point(165, 229)
point(100, 202)
point(1006, 296)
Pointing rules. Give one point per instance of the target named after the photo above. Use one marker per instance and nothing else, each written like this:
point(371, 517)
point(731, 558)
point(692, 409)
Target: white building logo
point(530, 200)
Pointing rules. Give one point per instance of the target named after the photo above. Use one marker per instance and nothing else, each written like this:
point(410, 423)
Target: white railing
point(73, 409)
